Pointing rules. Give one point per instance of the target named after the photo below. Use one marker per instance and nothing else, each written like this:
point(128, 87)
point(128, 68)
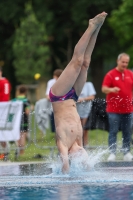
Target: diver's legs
point(70, 74)
point(81, 79)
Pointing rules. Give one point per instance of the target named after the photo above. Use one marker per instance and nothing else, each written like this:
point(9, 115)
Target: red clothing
point(5, 88)
point(120, 102)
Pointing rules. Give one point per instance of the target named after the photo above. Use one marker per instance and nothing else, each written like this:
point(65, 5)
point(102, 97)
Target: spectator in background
point(24, 120)
point(132, 120)
point(118, 86)
point(5, 89)
point(84, 107)
point(50, 83)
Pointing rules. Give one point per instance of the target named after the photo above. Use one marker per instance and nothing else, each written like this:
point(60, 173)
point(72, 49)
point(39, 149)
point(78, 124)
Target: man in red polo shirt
point(5, 89)
point(118, 86)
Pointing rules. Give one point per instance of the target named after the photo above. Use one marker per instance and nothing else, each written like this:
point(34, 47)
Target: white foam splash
point(78, 163)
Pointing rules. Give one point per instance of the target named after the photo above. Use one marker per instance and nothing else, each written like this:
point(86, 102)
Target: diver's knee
point(86, 63)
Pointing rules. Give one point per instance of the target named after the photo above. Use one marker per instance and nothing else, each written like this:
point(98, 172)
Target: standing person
point(84, 107)
point(5, 89)
point(64, 95)
point(50, 83)
point(118, 85)
point(24, 120)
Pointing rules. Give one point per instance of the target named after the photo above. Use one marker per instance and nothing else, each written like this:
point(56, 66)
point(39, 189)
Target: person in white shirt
point(84, 105)
point(50, 83)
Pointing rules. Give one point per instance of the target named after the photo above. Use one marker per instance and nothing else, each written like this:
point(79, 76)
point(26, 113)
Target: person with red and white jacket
point(118, 86)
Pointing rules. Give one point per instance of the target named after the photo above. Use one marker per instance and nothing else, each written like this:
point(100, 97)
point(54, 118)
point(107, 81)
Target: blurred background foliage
point(30, 48)
point(38, 36)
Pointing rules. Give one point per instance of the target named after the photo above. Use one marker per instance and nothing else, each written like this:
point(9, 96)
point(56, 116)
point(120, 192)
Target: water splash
point(78, 163)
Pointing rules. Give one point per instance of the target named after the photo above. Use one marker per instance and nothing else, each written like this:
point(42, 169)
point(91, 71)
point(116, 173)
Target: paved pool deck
point(2, 163)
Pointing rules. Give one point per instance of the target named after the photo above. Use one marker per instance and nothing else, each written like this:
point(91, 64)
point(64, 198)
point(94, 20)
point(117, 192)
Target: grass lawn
point(45, 146)
point(39, 144)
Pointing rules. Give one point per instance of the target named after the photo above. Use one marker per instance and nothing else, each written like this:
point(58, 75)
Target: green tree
point(122, 23)
point(11, 11)
point(31, 49)
point(67, 20)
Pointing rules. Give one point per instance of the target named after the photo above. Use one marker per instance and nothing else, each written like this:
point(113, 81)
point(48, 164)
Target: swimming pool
point(37, 181)
point(66, 192)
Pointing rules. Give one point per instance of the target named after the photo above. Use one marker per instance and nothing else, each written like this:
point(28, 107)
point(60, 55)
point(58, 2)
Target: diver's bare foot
point(98, 19)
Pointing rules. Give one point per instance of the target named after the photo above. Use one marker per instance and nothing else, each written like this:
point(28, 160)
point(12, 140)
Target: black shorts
point(86, 127)
point(24, 128)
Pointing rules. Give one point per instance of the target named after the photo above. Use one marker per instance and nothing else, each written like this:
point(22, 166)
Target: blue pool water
point(44, 181)
point(39, 181)
point(69, 192)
